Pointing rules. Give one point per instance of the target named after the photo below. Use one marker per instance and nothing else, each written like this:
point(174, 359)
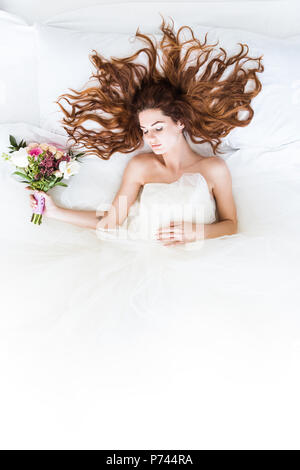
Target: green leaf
point(13, 141)
point(21, 174)
point(61, 184)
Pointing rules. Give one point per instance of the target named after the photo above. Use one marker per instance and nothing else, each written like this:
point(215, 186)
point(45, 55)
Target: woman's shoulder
point(142, 165)
point(212, 160)
point(213, 164)
point(141, 160)
point(216, 171)
point(145, 159)
point(210, 167)
point(142, 157)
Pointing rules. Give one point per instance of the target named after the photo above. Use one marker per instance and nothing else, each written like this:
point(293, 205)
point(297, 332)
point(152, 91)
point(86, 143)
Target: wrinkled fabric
point(88, 325)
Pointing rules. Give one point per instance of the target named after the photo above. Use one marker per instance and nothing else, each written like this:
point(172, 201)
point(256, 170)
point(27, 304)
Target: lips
point(155, 146)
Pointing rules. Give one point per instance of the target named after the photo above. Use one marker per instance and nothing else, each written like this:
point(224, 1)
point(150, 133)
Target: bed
point(105, 346)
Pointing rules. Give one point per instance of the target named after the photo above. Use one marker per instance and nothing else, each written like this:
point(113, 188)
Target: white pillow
point(64, 63)
point(271, 17)
point(276, 119)
point(18, 71)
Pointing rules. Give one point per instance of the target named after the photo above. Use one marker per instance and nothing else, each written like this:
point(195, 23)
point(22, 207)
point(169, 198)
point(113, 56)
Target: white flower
point(58, 155)
point(52, 149)
point(69, 168)
point(32, 145)
point(58, 173)
point(44, 146)
point(20, 158)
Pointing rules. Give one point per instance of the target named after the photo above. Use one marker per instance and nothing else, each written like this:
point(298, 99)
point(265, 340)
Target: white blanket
point(226, 314)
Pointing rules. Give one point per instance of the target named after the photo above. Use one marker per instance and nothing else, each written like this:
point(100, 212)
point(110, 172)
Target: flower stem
point(36, 218)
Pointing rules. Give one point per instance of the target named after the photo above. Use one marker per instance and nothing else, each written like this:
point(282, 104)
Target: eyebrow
point(154, 123)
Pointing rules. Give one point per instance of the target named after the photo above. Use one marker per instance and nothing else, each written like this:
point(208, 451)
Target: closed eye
point(160, 129)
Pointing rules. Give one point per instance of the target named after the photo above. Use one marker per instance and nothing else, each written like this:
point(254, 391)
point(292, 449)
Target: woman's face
point(159, 131)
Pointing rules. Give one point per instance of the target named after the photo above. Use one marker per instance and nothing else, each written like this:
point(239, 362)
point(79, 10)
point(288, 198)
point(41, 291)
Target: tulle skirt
point(83, 319)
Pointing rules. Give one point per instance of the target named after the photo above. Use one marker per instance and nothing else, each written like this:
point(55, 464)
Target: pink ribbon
point(39, 209)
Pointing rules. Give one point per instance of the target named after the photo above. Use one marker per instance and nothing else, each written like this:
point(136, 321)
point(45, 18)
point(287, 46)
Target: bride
point(102, 315)
point(161, 108)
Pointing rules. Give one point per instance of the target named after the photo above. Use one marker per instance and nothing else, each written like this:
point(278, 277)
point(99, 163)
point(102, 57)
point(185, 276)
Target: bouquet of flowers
point(43, 166)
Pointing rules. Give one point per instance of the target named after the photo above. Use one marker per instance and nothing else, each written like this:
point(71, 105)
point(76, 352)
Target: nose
point(151, 138)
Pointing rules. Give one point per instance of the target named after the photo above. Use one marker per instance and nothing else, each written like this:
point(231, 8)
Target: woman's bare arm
point(127, 194)
point(86, 219)
point(132, 181)
point(226, 208)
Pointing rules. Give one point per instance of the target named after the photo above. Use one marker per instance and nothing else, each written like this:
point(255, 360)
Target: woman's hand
point(50, 207)
point(178, 233)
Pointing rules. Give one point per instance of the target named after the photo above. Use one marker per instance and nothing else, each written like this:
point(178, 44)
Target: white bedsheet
point(130, 332)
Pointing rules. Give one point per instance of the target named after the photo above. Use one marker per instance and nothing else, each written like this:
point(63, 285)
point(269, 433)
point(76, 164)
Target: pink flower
point(49, 163)
point(35, 152)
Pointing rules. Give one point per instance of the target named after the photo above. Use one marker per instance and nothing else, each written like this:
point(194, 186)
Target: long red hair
point(207, 105)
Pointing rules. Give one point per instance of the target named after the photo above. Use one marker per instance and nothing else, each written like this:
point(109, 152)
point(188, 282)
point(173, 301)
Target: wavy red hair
point(191, 91)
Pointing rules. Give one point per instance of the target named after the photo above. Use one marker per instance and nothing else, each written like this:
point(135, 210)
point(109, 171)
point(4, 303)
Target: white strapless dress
point(187, 199)
point(79, 283)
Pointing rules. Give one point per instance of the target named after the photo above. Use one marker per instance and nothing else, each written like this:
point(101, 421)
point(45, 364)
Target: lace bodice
point(187, 199)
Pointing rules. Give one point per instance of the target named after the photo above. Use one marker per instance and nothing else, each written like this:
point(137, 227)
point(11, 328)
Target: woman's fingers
point(175, 242)
point(171, 234)
point(35, 190)
point(33, 202)
point(173, 227)
point(38, 191)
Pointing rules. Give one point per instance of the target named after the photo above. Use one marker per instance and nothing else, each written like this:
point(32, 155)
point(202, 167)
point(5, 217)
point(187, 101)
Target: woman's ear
point(180, 125)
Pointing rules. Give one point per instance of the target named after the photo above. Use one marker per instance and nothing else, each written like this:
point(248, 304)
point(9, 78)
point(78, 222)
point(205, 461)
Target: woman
point(161, 108)
point(118, 306)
